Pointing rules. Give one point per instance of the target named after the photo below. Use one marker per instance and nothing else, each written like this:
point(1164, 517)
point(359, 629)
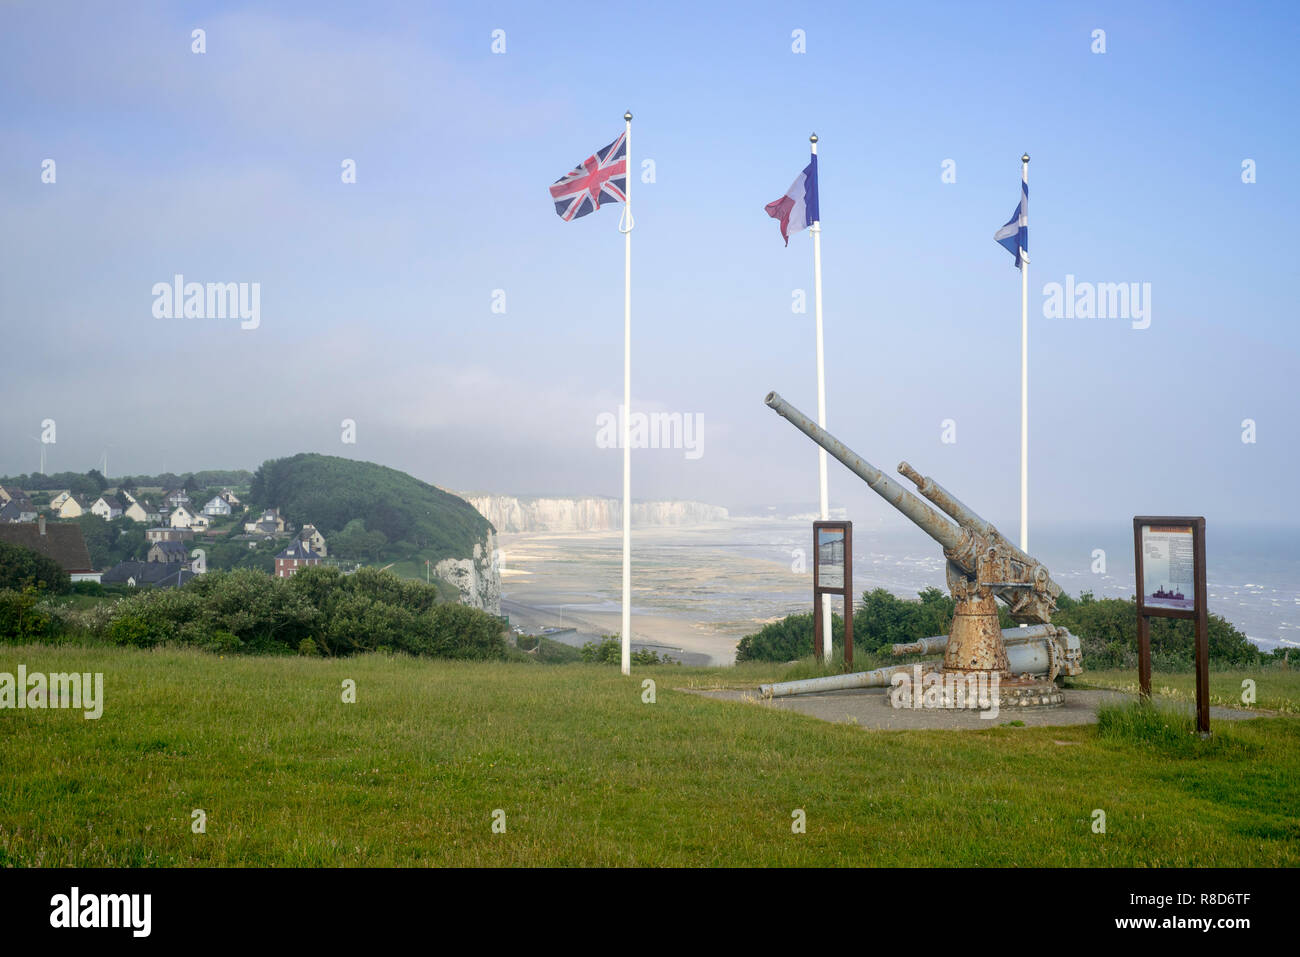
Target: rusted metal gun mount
point(982, 564)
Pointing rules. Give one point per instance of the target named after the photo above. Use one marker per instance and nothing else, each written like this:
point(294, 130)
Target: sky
point(377, 297)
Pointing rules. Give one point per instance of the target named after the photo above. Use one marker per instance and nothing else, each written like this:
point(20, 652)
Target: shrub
point(609, 651)
point(24, 619)
point(20, 567)
point(459, 631)
point(789, 639)
point(317, 611)
point(134, 629)
point(1107, 630)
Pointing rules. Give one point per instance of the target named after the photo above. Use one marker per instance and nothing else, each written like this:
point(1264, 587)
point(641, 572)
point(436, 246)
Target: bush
point(135, 630)
point(317, 611)
point(609, 651)
point(20, 567)
point(88, 588)
point(458, 631)
point(789, 639)
point(24, 619)
point(1107, 631)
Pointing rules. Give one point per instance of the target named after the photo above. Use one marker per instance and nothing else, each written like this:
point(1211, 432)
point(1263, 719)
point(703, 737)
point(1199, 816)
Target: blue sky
point(376, 296)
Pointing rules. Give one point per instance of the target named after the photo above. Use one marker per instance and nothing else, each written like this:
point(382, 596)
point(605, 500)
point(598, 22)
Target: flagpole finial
point(1024, 158)
point(813, 138)
point(628, 116)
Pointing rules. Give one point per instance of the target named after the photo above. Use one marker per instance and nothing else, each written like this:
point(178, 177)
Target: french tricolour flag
point(797, 209)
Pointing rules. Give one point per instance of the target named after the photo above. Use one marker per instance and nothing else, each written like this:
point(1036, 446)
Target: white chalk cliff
point(478, 578)
point(509, 513)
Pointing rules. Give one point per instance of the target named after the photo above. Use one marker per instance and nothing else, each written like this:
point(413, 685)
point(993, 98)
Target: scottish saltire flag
point(797, 209)
point(1014, 236)
point(601, 178)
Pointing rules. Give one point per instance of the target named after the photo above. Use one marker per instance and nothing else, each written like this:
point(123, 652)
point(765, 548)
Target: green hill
point(367, 511)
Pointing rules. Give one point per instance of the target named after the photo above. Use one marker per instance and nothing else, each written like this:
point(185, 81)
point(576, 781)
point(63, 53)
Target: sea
point(724, 580)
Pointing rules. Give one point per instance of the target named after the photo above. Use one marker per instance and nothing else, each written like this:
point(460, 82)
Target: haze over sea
point(702, 588)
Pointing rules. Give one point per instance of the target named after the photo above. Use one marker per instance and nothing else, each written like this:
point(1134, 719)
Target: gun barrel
point(1043, 655)
point(966, 517)
point(957, 509)
point(931, 522)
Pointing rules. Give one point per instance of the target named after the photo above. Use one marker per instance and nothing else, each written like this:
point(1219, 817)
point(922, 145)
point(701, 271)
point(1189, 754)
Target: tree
point(21, 567)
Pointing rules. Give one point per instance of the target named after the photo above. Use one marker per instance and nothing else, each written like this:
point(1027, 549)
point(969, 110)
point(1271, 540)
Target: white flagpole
point(816, 230)
point(627, 400)
point(1024, 378)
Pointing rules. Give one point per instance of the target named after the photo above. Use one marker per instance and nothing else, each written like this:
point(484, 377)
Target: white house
point(218, 506)
point(271, 517)
point(74, 506)
point(143, 511)
point(107, 507)
point(182, 517)
point(176, 497)
point(313, 539)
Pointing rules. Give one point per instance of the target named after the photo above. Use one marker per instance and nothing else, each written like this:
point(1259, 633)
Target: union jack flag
point(599, 178)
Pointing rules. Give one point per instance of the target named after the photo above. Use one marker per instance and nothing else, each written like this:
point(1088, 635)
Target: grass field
point(588, 774)
point(1276, 689)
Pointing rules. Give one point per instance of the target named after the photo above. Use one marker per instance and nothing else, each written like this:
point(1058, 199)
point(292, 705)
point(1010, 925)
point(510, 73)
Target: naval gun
point(983, 566)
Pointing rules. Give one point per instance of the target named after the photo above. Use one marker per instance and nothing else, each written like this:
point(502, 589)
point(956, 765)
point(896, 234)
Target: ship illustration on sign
point(1168, 595)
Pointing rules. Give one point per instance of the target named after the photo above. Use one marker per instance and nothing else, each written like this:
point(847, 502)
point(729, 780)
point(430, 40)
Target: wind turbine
point(103, 461)
point(42, 445)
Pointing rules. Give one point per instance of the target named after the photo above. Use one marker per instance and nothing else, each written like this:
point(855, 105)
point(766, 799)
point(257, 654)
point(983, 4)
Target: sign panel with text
point(1169, 566)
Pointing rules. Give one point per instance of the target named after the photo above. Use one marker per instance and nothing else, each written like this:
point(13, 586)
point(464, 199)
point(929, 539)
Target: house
point(57, 501)
point(63, 543)
point(313, 539)
point(231, 499)
point(143, 511)
point(107, 507)
point(296, 556)
point(182, 517)
point(217, 506)
point(148, 574)
point(168, 552)
point(269, 523)
point(10, 492)
point(74, 506)
point(176, 497)
point(168, 535)
point(17, 510)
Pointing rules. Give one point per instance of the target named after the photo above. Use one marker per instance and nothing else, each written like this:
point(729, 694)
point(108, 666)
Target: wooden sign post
point(833, 575)
point(1170, 568)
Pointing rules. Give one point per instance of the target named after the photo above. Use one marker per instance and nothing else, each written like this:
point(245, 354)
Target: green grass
point(588, 774)
point(1276, 689)
point(1164, 726)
